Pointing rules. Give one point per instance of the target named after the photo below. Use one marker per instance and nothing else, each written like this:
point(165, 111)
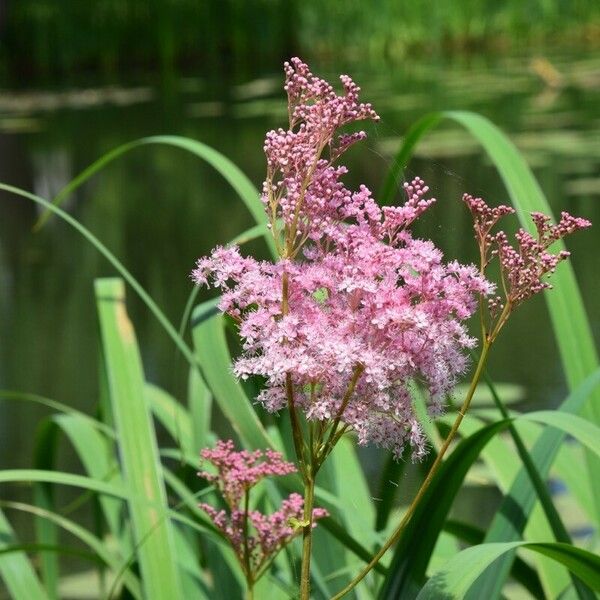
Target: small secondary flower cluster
point(256, 538)
point(525, 267)
point(356, 308)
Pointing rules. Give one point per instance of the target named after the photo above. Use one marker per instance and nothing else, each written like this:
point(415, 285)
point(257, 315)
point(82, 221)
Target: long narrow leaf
point(15, 568)
point(213, 354)
point(412, 554)
point(521, 571)
point(137, 444)
point(510, 519)
point(172, 416)
point(570, 323)
point(116, 263)
point(552, 515)
point(234, 176)
point(453, 581)
point(97, 546)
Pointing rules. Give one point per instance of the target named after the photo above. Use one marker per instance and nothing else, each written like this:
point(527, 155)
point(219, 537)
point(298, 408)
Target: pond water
point(158, 209)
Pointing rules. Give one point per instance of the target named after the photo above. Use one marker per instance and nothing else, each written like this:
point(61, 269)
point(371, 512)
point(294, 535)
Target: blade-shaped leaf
point(521, 571)
point(453, 581)
point(412, 554)
point(232, 174)
point(510, 519)
point(117, 264)
point(137, 445)
point(96, 545)
point(15, 568)
point(213, 354)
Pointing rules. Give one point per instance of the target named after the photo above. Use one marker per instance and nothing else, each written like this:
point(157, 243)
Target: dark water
point(158, 209)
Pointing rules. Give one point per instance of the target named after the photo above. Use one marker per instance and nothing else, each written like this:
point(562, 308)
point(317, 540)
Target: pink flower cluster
point(364, 301)
point(303, 189)
point(524, 267)
point(255, 537)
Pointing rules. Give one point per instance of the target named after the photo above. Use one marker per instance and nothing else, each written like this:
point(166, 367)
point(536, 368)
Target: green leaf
point(571, 326)
point(232, 174)
point(581, 429)
point(521, 571)
point(412, 554)
point(352, 487)
point(510, 519)
point(552, 515)
point(200, 410)
point(391, 474)
point(96, 545)
point(44, 457)
point(16, 569)
point(116, 263)
point(453, 581)
point(137, 445)
point(29, 476)
point(213, 354)
point(57, 406)
point(172, 415)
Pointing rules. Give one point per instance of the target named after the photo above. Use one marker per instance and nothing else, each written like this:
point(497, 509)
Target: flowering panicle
point(356, 309)
point(302, 188)
point(525, 267)
point(256, 538)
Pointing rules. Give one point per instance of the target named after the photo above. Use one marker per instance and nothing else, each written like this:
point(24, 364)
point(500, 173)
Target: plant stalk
point(309, 496)
point(487, 342)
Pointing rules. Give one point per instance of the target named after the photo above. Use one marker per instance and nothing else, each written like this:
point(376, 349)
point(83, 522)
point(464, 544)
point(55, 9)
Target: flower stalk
point(309, 497)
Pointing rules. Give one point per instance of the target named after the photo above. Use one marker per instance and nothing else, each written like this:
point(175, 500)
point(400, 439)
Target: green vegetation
point(48, 39)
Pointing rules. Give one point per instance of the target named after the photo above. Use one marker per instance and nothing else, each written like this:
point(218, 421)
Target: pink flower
point(255, 537)
point(354, 295)
point(524, 268)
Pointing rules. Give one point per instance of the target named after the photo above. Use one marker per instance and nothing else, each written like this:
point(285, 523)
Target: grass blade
point(96, 545)
point(510, 519)
point(581, 429)
point(453, 581)
point(558, 528)
point(172, 415)
point(413, 552)
point(571, 326)
point(213, 354)
point(116, 263)
point(137, 445)
point(521, 571)
point(232, 174)
point(15, 568)
point(44, 457)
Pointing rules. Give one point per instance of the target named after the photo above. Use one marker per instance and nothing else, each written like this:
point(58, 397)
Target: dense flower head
point(254, 536)
point(238, 471)
point(302, 187)
point(525, 267)
point(356, 309)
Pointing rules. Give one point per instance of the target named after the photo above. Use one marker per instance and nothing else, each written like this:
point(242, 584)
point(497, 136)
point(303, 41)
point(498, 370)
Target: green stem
point(289, 386)
point(309, 496)
point(332, 438)
point(246, 548)
point(434, 469)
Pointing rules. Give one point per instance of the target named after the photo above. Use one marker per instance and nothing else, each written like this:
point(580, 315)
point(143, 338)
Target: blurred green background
point(79, 78)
